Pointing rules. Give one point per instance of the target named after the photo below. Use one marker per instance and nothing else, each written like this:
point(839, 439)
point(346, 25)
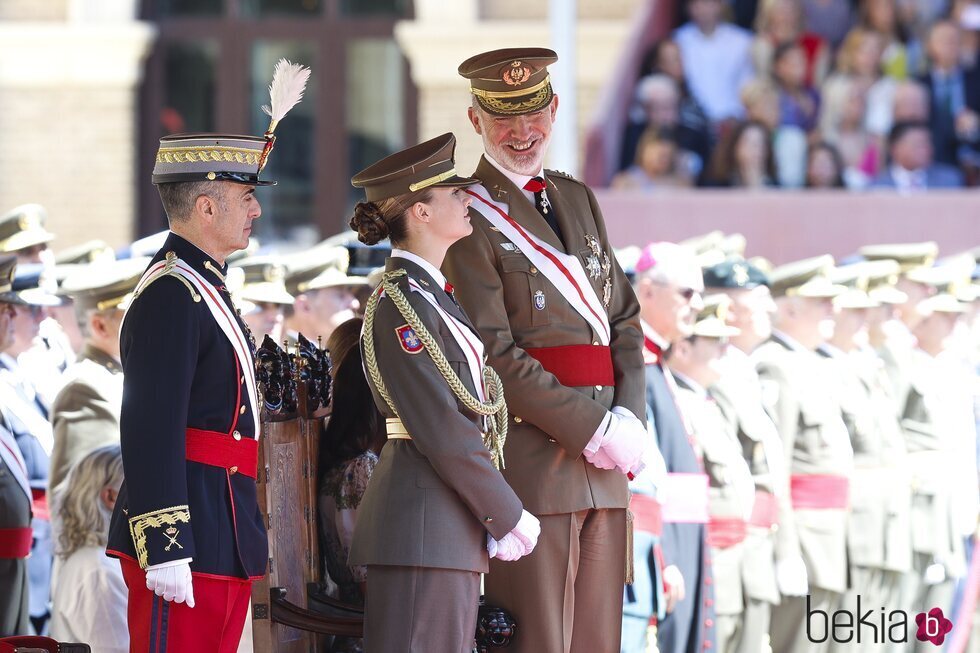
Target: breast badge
point(539, 300)
point(408, 339)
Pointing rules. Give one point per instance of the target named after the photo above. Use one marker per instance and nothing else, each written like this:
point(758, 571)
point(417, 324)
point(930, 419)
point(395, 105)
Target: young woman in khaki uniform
point(436, 507)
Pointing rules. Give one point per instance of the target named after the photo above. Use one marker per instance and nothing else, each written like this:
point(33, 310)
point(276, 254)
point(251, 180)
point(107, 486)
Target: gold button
point(488, 520)
point(534, 270)
point(236, 435)
point(552, 440)
point(517, 420)
point(598, 387)
point(233, 469)
point(241, 411)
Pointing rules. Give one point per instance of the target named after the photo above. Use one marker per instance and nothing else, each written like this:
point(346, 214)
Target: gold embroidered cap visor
point(426, 165)
point(511, 81)
point(100, 287)
point(210, 157)
point(807, 278)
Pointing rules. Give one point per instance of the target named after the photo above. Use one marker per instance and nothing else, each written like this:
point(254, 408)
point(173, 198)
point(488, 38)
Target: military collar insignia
point(214, 270)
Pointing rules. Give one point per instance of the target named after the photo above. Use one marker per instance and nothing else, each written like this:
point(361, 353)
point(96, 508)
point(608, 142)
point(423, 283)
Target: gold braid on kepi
point(495, 410)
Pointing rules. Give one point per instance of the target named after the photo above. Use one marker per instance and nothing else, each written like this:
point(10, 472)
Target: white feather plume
point(288, 84)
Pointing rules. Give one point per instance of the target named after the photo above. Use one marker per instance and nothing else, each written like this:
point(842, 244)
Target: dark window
point(210, 70)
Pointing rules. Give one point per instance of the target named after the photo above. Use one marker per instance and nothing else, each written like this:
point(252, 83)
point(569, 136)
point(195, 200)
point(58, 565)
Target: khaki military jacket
point(431, 500)
point(85, 414)
point(878, 528)
point(798, 392)
point(551, 423)
point(731, 490)
point(929, 431)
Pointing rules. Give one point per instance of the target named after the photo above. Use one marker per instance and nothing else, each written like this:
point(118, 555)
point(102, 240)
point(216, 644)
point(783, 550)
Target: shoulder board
point(563, 175)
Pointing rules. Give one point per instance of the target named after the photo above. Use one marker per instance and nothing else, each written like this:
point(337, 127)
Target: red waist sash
point(15, 543)
point(39, 504)
point(765, 510)
point(576, 365)
point(222, 450)
point(647, 514)
point(724, 532)
point(819, 491)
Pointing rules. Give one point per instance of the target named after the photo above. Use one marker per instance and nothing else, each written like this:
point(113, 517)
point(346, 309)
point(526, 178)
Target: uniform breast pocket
point(813, 418)
point(524, 288)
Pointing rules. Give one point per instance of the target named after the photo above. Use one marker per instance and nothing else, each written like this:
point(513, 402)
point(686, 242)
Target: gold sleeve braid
point(156, 519)
point(494, 410)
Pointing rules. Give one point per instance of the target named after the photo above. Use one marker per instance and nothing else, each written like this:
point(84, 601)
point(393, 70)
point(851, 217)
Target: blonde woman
point(89, 594)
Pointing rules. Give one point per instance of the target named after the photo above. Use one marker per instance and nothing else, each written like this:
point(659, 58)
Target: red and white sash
point(12, 458)
point(564, 271)
point(226, 321)
point(468, 342)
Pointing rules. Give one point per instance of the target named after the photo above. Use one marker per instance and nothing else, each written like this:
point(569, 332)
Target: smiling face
point(447, 215)
point(518, 143)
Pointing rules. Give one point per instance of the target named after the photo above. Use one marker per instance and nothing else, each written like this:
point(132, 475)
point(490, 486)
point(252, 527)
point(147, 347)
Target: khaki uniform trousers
point(420, 610)
point(567, 596)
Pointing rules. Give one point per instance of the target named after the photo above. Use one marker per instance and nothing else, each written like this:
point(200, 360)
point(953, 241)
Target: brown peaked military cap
point(426, 165)
point(511, 81)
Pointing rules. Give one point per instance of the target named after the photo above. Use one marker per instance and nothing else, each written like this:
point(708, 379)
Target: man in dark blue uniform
point(187, 526)
point(668, 286)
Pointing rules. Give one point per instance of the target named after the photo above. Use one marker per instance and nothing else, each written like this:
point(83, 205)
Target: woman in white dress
point(89, 595)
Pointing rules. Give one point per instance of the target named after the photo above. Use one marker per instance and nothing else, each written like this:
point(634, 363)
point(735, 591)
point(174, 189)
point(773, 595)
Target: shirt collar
point(515, 178)
point(650, 332)
point(790, 342)
point(437, 276)
point(196, 257)
point(694, 386)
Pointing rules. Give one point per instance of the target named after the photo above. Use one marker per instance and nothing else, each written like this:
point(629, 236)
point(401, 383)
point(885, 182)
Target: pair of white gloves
point(623, 443)
point(517, 543)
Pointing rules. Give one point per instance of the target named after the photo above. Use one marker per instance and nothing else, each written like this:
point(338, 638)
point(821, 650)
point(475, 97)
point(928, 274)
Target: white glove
point(519, 542)
point(791, 576)
point(676, 591)
point(173, 583)
point(625, 441)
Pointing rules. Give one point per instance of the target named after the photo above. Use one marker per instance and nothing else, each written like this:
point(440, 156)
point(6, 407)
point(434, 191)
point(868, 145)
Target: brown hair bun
point(369, 224)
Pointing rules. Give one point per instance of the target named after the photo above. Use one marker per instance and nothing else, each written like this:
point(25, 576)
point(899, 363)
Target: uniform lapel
point(502, 190)
point(565, 212)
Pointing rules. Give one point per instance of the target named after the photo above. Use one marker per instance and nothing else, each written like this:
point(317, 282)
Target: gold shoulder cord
point(168, 270)
point(495, 410)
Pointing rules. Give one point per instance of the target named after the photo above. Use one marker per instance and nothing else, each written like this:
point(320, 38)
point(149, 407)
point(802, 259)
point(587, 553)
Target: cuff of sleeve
point(599, 434)
point(163, 526)
point(491, 546)
point(171, 563)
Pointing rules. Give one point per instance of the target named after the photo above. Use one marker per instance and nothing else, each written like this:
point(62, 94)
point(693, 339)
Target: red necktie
point(534, 185)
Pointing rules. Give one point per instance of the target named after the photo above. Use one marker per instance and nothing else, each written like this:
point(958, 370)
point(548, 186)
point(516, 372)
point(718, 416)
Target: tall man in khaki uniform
point(696, 364)
point(879, 544)
point(799, 391)
point(559, 320)
point(85, 414)
point(932, 420)
point(739, 395)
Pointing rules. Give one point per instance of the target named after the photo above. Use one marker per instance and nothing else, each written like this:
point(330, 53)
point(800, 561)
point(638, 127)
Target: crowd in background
point(849, 94)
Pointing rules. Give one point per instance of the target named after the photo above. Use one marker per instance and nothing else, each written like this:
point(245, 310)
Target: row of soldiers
point(815, 422)
point(61, 378)
point(819, 449)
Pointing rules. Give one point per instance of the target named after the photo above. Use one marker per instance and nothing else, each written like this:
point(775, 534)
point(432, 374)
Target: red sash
point(724, 532)
point(765, 510)
point(819, 492)
point(222, 450)
point(647, 514)
point(576, 365)
point(15, 543)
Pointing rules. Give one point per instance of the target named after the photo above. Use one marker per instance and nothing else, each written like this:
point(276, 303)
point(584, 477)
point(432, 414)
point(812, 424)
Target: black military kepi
point(426, 165)
point(733, 274)
point(8, 269)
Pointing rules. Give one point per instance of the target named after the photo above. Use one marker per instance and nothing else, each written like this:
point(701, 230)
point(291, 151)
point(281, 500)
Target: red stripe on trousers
point(214, 624)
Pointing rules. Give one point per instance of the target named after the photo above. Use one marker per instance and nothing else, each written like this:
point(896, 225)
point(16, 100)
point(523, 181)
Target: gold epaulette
point(157, 520)
point(169, 270)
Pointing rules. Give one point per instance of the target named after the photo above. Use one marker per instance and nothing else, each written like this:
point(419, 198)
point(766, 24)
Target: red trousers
point(213, 625)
